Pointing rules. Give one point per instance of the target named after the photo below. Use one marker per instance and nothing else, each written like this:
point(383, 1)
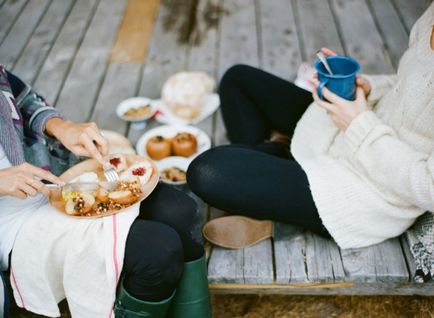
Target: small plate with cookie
point(173, 140)
point(173, 170)
point(136, 110)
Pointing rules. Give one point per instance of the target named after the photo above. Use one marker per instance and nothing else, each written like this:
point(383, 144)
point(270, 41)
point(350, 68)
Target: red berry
point(115, 162)
point(139, 172)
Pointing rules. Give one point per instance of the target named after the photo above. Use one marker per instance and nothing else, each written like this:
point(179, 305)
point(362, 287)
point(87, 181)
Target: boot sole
point(237, 231)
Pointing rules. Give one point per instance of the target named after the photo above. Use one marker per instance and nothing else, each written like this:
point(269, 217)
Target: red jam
point(115, 162)
point(139, 172)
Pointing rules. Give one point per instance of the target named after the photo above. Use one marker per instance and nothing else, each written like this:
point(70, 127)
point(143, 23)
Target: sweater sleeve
point(36, 112)
point(390, 162)
point(34, 109)
point(380, 85)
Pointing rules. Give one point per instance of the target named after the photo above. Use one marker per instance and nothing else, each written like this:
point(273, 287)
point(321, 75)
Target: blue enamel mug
point(343, 80)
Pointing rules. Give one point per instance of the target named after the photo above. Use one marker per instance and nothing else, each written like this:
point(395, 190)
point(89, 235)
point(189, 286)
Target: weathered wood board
point(355, 22)
point(134, 32)
point(119, 83)
point(167, 51)
point(37, 48)
point(81, 87)
point(391, 29)
point(9, 12)
point(317, 28)
point(51, 77)
point(290, 254)
point(279, 43)
point(410, 11)
point(22, 29)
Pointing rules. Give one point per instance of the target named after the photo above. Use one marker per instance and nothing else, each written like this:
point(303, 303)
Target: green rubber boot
point(127, 306)
point(192, 295)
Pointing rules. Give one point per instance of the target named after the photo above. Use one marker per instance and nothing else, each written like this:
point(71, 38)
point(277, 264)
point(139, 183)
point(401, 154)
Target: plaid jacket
point(23, 115)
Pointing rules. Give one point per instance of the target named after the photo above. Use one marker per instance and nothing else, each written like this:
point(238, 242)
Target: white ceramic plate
point(178, 162)
point(135, 102)
point(165, 115)
point(169, 131)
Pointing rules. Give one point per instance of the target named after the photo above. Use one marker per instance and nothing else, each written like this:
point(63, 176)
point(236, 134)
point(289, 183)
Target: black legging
point(254, 177)
point(160, 240)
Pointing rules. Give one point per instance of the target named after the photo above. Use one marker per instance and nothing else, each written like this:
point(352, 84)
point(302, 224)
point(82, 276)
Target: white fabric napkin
point(56, 256)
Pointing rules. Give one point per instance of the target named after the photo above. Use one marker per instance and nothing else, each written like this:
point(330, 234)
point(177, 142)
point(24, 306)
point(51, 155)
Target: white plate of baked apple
point(173, 140)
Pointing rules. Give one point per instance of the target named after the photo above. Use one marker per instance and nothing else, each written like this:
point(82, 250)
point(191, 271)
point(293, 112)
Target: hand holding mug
point(364, 84)
point(360, 81)
point(341, 111)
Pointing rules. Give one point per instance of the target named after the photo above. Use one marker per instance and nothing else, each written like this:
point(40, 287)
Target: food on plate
point(107, 197)
point(86, 177)
point(126, 193)
point(133, 185)
point(122, 197)
point(184, 93)
point(102, 195)
point(158, 147)
point(174, 174)
point(118, 162)
point(184, 144)
point(80, 204)
point(141, 170)
point(138, 112)
point(184, 111)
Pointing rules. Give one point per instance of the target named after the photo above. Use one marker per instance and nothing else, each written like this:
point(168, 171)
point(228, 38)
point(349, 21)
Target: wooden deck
point(63, 47)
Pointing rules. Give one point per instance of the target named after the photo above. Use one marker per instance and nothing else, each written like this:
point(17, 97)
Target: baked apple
point(102, 195)
point(184, 144)
point(158, 147)
point(80, 204)
point(122, 197)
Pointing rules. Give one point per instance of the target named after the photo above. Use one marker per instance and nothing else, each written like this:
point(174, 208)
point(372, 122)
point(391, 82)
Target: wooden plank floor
point(63, 48)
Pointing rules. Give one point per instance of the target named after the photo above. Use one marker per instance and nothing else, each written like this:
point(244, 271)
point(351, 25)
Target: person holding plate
point(359, 171)
point(161, 255)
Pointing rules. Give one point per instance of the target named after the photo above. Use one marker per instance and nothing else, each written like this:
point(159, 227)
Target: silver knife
point(82, 186)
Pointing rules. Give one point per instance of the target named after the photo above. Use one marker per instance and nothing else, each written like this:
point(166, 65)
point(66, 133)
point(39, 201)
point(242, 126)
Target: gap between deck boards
point(280, 286)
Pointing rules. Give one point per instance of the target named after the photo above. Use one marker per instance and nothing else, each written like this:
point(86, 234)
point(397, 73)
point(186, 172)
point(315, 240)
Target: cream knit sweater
point(371, 182)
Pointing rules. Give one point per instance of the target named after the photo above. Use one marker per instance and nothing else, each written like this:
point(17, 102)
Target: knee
point(232, 76)
point(186, 207)
point(154, 257)
point(202, 174)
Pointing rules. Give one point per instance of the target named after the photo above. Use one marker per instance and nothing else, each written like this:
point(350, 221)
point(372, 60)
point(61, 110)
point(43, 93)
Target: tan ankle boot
point(237, 231)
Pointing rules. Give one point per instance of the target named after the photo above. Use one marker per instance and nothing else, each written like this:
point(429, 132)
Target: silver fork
point(110, 173)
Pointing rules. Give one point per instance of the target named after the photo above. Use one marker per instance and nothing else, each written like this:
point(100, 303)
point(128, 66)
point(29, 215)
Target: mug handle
point(320, 88)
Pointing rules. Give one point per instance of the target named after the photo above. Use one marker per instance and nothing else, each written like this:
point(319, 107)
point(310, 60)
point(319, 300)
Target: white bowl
point(178, 162)
point(170, 131)
point(135, 102)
